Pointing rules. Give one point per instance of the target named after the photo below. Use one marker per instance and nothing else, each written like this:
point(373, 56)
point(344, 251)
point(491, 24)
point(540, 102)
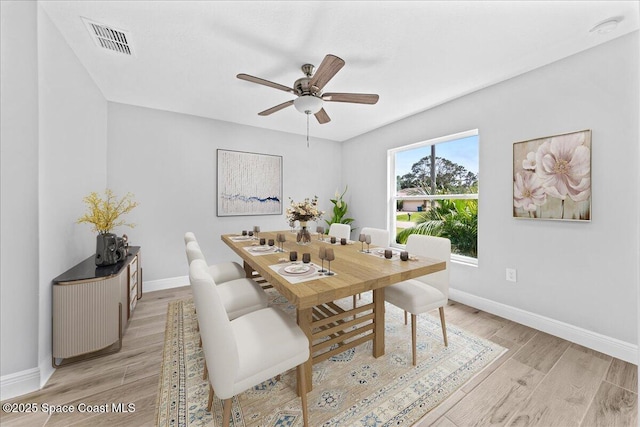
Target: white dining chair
point(340, 231)
point(424, 293)
point(247, 351)
point(379, 237)
point(239, 296)
point(222, 271)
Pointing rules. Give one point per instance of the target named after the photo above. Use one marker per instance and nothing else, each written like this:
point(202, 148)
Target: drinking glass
point(368, 242)
point(271, 242)
point(362, 238)
point(293, 256)
point(322, 254)
point(256, 230)
point(292, 224)
point(404, 256)
point(281, 239)
point(343, 241)
point(262, 241)
point(320, 231)
point(306, 258)
point(244, 232)
point(388, 253)
point(333, 240)
point(330, 256)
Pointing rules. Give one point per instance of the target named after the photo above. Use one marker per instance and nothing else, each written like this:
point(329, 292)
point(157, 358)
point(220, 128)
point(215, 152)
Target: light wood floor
point(541, 381)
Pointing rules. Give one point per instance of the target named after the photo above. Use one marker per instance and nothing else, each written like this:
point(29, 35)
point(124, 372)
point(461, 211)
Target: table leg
point(378, 321)
point(304, 321)
point(248, 270)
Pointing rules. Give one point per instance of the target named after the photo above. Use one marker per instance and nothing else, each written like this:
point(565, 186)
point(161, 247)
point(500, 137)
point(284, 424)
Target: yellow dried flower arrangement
point(104, 213)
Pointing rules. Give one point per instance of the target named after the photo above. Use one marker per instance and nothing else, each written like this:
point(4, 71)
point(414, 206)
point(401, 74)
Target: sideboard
point(92, 306)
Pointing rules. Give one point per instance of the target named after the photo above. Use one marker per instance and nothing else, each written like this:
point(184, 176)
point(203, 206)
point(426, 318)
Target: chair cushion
point(269, 343)
point(414, 296)
point(241, 296)
point(225, 271)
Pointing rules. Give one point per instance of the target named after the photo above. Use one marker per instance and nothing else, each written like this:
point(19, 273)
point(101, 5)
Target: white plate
point(261, 248)
point(297, 269)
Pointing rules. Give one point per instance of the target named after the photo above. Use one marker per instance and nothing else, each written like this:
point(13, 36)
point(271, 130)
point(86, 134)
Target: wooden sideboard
point(92, 306)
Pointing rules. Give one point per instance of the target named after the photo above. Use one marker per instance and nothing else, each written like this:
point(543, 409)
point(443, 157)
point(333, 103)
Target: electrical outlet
point(511, 275)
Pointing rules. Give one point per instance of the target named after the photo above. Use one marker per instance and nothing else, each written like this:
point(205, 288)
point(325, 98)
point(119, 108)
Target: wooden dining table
point(331, 328)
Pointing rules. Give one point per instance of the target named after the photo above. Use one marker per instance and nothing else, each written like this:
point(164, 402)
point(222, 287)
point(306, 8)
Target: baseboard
point(593, 340)
point(161, 284)
point(46, 370)
point(604, 344)
point(19, 383)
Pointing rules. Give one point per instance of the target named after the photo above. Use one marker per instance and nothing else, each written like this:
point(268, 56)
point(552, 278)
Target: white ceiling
point(415, 55)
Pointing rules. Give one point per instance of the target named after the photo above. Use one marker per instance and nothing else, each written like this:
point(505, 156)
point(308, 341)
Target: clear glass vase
point(303, 237)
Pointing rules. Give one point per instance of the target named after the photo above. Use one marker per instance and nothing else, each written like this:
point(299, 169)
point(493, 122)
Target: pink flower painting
point(552, 177)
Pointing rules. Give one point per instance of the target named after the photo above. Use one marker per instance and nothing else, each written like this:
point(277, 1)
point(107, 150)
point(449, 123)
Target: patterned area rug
point(350, 389)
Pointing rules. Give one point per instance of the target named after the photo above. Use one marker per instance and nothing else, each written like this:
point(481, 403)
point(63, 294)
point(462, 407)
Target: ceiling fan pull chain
point(308, 129)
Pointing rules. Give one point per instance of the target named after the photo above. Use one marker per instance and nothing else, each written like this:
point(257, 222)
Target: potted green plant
point(340, 209)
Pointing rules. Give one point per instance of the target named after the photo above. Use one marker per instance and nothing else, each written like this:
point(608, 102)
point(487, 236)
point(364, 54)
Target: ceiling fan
point(310, 98)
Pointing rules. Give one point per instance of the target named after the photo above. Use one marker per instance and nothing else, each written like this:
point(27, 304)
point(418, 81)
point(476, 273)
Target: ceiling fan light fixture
point(308, 104)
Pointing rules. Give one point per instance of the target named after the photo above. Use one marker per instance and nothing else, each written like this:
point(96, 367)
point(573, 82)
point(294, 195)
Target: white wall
point(73, 148)
point(54, 136)
point(168, 160)
point(580, 275)
point(19, 196)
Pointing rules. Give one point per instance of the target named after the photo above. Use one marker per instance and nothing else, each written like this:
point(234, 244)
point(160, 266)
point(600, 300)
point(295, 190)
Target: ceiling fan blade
point(330, 65)
point(356, 98)
point(260, 81)
point(322, 117)
point(276, 108)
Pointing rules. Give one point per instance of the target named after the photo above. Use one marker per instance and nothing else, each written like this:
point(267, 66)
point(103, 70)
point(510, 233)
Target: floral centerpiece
point(104, 215)
point(303, 212)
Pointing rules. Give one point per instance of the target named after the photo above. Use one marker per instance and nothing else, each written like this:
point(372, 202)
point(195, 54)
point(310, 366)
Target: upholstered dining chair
point(222, 271)
point(239, 296)
point(424, 293)
point(248, 350)
point(379, 237)
point(189, 236)
point(340, 231)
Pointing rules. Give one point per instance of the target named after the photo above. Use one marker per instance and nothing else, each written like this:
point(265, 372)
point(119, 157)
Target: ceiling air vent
point(109, 38)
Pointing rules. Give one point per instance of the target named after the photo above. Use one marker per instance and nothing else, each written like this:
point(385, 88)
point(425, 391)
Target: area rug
point(349, 389)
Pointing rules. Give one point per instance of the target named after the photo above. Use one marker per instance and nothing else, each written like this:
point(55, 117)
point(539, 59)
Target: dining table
point(331, 328)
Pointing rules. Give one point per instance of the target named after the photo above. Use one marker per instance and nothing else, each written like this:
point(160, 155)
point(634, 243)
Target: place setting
point(245, 236)
point(265, 246)
point(296, 272)
point(335, 241)
point(386, 253)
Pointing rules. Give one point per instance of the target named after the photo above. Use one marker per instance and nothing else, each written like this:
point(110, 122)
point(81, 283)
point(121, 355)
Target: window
point(434, 190)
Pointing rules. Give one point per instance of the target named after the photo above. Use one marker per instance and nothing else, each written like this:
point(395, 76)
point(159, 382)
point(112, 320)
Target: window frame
point(393, 198)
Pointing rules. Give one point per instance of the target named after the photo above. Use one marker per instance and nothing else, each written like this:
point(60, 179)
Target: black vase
point(109, 249)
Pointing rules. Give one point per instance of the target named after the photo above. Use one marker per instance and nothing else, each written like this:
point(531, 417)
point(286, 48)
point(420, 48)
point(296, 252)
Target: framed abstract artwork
point(248, 183)
point(552, 177)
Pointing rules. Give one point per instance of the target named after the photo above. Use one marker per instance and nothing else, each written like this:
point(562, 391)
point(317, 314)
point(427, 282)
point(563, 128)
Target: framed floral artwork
point(249, 183)
point(552, 177)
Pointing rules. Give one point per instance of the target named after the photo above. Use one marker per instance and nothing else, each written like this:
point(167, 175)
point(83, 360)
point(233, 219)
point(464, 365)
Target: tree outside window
point(436, 191)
